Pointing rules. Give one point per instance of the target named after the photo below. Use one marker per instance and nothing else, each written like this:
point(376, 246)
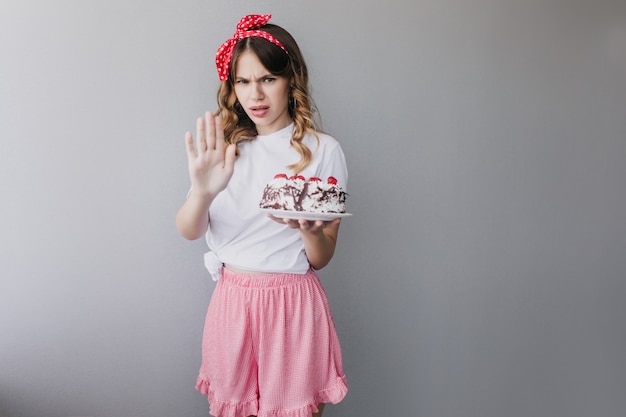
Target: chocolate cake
point(297, 194)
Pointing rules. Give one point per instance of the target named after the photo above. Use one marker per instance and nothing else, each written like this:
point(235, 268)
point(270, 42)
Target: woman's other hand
point(319, 237)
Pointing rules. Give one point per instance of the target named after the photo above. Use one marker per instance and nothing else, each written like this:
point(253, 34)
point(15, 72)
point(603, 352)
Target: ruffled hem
point(223, 408)
point(333, 395)
point(218, 408)
point(305, 411)
point(202, 385)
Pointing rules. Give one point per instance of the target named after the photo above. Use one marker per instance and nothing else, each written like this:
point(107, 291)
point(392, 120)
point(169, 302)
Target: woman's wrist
point(199, 195)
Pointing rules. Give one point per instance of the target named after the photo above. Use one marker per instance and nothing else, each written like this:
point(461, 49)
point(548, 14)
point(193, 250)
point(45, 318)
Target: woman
point(270, 347)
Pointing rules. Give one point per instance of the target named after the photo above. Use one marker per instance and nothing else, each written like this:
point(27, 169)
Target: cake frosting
point(296, 193)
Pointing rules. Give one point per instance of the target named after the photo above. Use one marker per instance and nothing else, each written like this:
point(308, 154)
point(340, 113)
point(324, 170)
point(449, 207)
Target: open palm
point(211, 162)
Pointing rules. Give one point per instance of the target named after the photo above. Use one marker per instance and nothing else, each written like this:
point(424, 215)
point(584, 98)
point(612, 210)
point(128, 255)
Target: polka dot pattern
point(247, 27)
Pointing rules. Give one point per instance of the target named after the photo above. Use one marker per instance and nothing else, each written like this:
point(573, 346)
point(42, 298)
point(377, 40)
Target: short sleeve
point(329, 160)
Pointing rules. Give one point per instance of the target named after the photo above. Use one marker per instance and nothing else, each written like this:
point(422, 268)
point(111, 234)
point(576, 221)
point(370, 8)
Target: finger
point(229, 159)
point(292, 223)
point(210, 130)
point(219, 134)
point(276, 219)
point(200, 135)
point(332, 224)
point(305, 225)
point(311, 225)
point(191, 151)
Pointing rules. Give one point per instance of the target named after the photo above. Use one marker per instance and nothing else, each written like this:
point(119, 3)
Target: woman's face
point(263, 96)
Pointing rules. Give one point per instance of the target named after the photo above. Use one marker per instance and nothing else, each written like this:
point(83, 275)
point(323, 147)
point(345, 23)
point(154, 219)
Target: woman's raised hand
point(210, 161)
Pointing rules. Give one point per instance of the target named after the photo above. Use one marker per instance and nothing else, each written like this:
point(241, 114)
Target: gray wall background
point(482, 274)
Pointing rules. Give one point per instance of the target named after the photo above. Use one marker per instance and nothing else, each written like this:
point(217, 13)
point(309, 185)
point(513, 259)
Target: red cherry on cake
point(315, 179)
point(277, 176)
point(332, 180)
point(298, 177)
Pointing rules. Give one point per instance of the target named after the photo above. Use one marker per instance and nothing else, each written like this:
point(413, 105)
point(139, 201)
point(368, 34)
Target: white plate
point(289, 214)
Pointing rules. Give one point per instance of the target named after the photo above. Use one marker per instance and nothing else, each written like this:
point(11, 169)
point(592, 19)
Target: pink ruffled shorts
point(270, 348)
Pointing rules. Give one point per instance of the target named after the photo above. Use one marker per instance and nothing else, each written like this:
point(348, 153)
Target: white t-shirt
point(242, 235)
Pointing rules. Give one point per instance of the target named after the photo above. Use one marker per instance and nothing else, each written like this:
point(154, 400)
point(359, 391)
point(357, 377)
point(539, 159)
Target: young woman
point(270, 348)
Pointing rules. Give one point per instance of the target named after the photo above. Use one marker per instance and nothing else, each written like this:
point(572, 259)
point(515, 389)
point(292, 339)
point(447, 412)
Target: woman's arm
point(211, 166)
point(192, 219)
point(319, 237)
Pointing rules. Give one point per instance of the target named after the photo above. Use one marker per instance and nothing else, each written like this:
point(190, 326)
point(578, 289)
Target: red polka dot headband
point(247, 27)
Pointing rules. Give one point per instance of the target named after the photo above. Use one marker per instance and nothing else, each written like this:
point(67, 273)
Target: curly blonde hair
point(237, 125)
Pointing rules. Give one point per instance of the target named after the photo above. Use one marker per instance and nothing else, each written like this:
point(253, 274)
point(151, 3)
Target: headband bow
point(247, 27)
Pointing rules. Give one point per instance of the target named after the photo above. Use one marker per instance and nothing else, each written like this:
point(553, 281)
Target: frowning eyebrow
point(261, 78)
